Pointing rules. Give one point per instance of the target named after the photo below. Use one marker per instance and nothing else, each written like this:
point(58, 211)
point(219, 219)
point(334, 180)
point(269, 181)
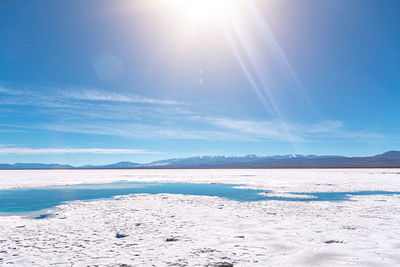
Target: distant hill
point(119, 165)
point(389, 159)
point(34, 166)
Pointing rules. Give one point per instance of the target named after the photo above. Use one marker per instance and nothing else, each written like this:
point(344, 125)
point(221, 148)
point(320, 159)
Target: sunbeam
point(281, 58)
point(255, 68)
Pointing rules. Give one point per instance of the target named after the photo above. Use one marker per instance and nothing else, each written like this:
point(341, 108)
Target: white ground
point(209, 231)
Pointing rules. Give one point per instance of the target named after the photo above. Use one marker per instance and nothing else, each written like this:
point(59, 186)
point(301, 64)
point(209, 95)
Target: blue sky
point(96, 81)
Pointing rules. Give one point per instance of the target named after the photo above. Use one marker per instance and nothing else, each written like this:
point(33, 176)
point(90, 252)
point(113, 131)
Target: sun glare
point(202, 11)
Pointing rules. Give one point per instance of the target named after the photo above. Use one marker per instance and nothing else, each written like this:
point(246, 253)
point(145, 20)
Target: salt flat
point(179, 230)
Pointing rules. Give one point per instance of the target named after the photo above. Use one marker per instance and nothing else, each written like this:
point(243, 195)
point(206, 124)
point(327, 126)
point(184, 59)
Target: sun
point(201, 11)
point(204, 9)
point(189, 12)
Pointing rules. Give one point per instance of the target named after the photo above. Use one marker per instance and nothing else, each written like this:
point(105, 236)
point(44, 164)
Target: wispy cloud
point(217, 129)
point(101, 95)
point(294, 132)
point(251, 129)
point(59, 97)
point(322, 127)
point(6, 91)
point(142, 131)
point(54, 151)
point(101, 112)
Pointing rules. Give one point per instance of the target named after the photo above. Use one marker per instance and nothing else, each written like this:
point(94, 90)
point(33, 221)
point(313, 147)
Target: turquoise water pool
point(34, 199)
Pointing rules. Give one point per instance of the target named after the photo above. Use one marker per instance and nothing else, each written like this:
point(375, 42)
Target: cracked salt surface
point(363, 232)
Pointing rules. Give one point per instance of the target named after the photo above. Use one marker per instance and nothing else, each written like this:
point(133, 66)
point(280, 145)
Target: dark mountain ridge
point(390, 159)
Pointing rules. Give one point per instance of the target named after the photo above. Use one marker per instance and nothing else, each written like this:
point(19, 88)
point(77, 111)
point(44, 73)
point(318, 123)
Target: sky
point(98, 81)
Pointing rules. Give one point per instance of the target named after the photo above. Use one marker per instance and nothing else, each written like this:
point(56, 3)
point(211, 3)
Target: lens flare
point(200, 11)
point(204, 9)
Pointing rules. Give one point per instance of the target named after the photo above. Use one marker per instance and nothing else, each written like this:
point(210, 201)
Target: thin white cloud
point(291, 132)
point(137, 117)
point(322, 127)
point(217, 129)
point(55, 151)
point(252, 129)
point(6, 91)
point(101, 95)
point(68, 96)
point(142, 131)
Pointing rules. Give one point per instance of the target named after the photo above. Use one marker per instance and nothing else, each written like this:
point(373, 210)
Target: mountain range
point(389, 159)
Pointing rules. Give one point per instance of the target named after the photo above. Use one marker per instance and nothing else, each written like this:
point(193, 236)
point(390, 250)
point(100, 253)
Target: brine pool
point(40, 198)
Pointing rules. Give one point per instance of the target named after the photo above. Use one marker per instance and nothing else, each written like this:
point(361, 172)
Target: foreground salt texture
point(177, 230)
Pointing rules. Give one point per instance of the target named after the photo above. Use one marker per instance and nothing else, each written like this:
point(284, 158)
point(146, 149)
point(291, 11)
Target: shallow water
point(34, 199)
point(31, 199)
